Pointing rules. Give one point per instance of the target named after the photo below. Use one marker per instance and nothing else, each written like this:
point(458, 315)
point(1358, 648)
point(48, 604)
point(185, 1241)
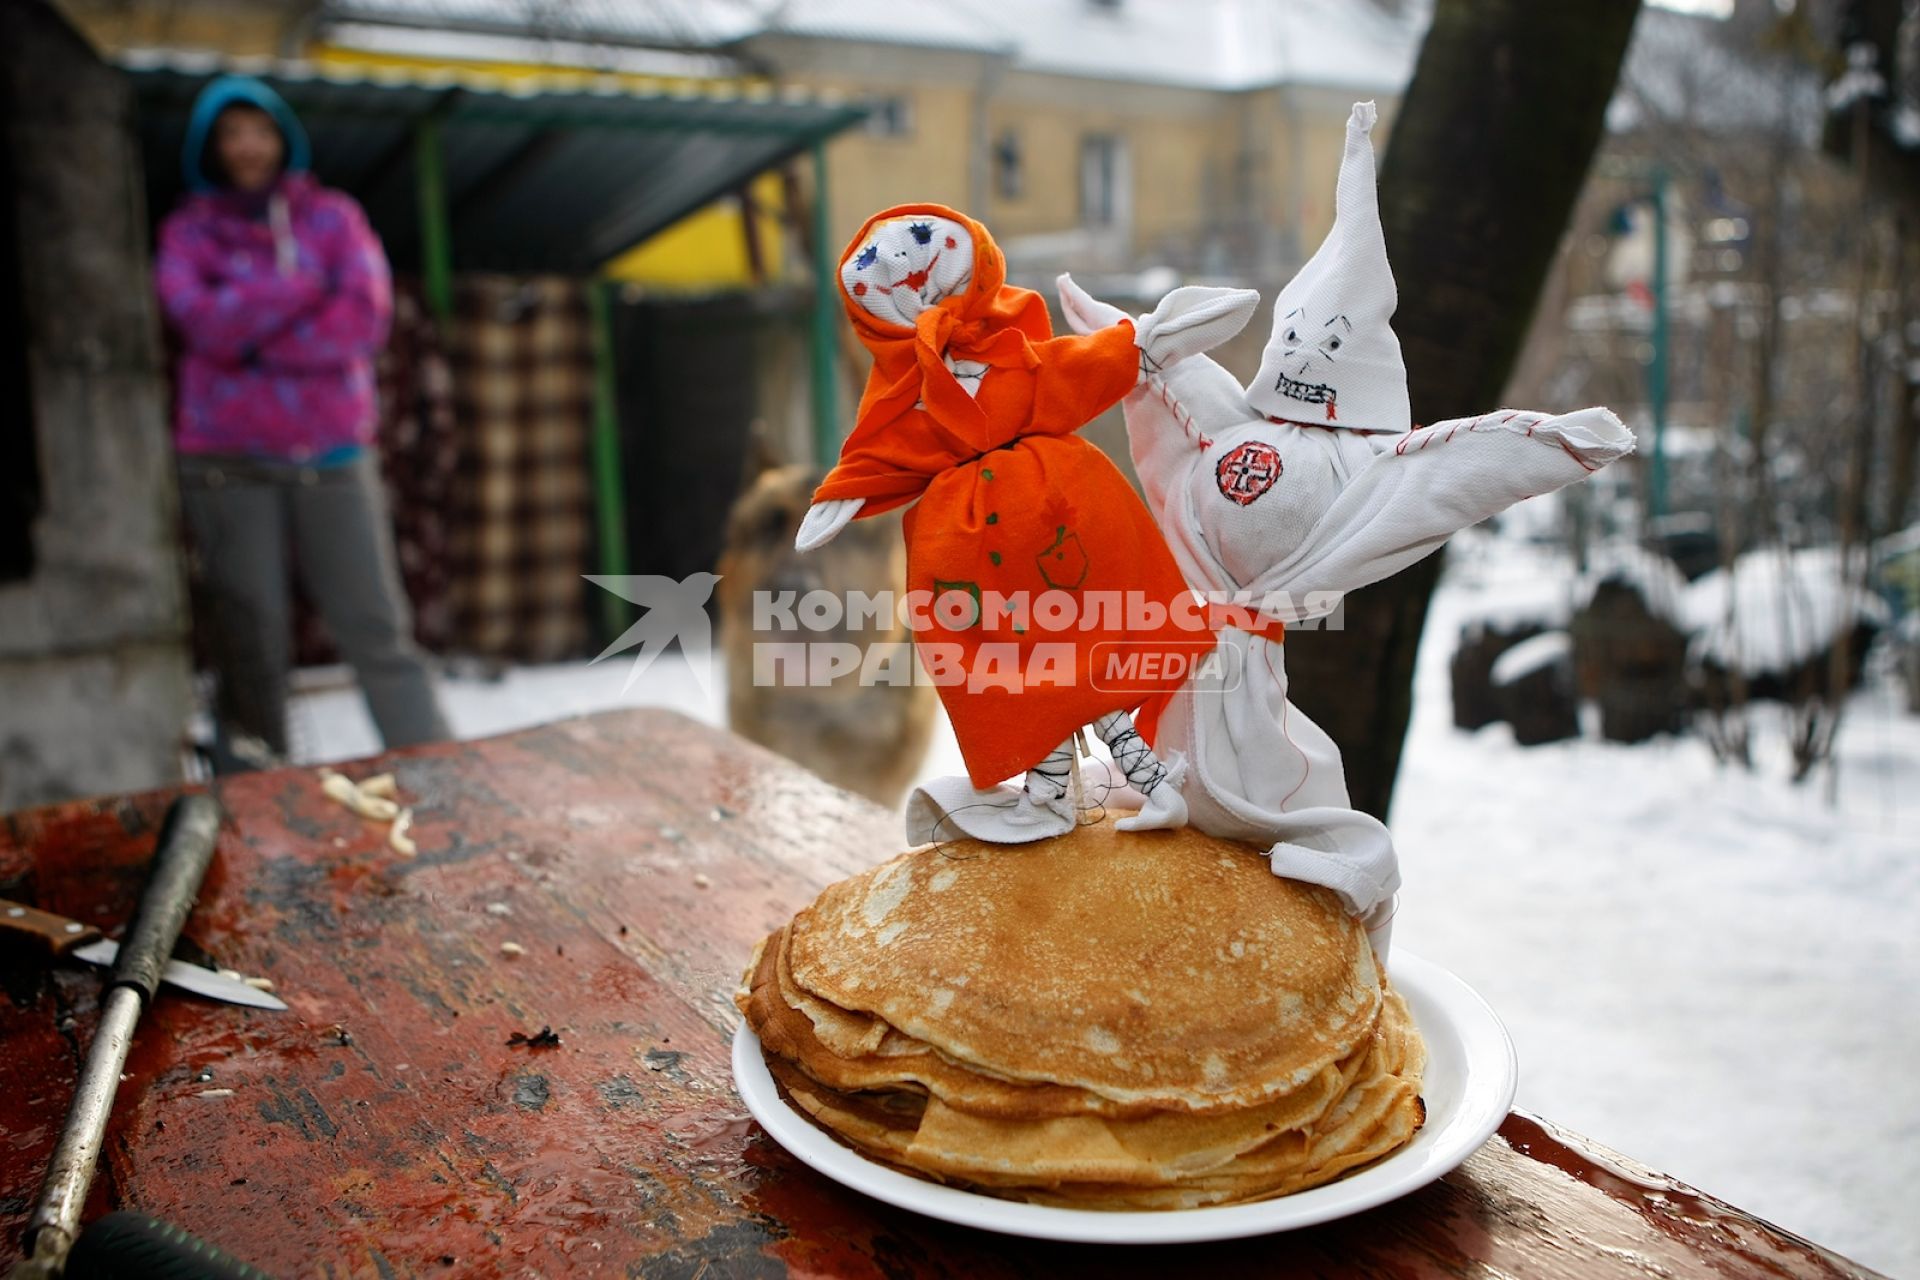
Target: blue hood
point(225, 92)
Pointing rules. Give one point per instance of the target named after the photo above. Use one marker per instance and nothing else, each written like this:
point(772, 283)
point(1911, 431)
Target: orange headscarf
point(892, 454)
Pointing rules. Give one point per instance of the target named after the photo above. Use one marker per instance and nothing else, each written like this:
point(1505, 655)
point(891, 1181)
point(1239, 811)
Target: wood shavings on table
point(377, 800)
point(397, 837)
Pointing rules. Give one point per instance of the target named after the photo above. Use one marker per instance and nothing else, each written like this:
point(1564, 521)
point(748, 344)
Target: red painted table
point(385, 1127)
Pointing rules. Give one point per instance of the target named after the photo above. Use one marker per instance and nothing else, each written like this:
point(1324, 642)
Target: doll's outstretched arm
point(1084, 312)
point(824, 520)
point(1421, 488)
point(1173, 412)
point(1188, 321)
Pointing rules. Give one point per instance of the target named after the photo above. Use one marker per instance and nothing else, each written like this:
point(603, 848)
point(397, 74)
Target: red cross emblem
point(1248, 471)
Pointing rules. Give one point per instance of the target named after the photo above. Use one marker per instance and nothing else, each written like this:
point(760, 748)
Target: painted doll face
point(1309, 345)
point(908, 264)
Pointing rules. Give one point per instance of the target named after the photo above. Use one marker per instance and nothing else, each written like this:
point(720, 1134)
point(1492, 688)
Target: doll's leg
point(1048, 780)
point(1165, 808)
point(1045, 795)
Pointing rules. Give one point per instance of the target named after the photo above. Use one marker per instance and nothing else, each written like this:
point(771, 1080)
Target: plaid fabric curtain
point(521, 356)
point(419, 459)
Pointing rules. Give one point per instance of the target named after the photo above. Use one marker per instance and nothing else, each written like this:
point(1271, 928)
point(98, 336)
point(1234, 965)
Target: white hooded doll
point(1306, 484)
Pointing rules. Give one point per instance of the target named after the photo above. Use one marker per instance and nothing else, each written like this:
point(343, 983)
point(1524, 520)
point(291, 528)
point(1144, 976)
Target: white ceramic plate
point(1470, 1080)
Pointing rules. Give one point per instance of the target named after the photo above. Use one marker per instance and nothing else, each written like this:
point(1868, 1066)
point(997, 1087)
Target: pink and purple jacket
point(276, 357)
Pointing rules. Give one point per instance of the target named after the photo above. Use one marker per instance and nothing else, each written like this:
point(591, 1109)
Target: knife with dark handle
point(69, 939)
point(57, 933)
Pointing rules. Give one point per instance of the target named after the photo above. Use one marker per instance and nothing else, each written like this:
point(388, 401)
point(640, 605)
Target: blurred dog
point(865, 737)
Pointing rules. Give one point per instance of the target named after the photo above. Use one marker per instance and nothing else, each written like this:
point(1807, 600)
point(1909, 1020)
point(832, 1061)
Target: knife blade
point(188, 977)
point(60, 936)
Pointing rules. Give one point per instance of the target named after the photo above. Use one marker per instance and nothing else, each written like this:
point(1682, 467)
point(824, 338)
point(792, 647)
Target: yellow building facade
point(1208, 181)
point(1076, 171)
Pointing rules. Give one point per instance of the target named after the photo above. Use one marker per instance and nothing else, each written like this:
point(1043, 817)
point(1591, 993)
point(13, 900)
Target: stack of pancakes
point(1104, 1020)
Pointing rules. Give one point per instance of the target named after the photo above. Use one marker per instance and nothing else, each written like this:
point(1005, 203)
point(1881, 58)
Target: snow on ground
point(332, 723)
point(1712, 971)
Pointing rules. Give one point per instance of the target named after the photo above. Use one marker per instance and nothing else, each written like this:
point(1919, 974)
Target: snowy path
point(1712, 971)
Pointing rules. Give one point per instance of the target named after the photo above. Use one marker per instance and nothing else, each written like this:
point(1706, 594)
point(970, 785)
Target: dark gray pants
point(250, 519)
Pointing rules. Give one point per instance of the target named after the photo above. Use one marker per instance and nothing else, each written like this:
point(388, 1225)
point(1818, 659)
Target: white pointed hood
point(1333, 359)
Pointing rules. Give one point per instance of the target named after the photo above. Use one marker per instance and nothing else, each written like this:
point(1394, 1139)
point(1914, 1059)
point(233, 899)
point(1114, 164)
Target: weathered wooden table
point(385, 1126)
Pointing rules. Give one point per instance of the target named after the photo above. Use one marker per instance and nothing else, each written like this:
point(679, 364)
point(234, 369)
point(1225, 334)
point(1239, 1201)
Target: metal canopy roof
point(534, 180)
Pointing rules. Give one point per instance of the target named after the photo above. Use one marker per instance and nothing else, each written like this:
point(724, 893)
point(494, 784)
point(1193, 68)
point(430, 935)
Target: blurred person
point(280, 296)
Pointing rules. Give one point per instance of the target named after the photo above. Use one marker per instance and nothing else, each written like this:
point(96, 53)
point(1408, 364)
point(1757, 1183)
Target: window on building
point(1008, 181)
point(890, 116)
point(1104, 192)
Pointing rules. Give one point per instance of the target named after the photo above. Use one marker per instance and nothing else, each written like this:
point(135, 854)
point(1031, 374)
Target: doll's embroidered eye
point(1333, 345)
point(922, 232)
point(867, 257)
point(1292, 336)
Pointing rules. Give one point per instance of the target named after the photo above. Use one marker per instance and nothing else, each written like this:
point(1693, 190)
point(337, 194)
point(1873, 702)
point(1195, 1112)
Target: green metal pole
point(1657, 372)
point(609, 482)
point(436, 236)
point(826, 321)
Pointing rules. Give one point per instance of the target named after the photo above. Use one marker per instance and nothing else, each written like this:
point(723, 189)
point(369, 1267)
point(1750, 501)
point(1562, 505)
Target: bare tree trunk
point(1828, 705)
point(1749, 517)
point(1868, 136)
point(1489, 151)
point(1906, 411)
point(1763, 524)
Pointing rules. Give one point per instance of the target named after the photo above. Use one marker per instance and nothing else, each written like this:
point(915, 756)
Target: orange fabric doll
point(1030, 545)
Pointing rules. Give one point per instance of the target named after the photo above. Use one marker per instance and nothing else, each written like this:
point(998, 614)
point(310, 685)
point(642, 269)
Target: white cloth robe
point(1345, 509)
